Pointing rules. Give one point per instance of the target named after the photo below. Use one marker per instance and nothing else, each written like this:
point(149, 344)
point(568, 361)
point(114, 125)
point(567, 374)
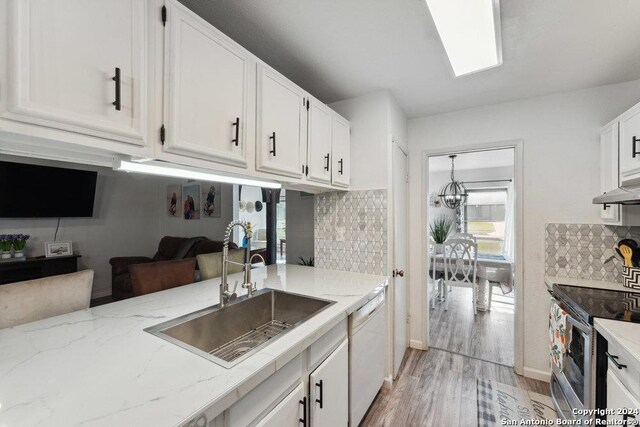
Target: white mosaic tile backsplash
point(350, 231)
point(580, 250)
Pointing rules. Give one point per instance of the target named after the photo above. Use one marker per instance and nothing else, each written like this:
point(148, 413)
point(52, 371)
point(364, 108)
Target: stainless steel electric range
point(577, 388)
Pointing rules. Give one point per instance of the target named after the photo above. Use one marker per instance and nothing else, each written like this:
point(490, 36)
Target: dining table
point(490, 269)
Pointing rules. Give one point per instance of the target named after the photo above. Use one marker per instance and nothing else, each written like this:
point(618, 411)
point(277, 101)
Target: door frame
point(518, 147)
point(391, 221)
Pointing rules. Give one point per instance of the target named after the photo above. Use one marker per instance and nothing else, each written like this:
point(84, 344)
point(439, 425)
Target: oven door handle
point(581, 326)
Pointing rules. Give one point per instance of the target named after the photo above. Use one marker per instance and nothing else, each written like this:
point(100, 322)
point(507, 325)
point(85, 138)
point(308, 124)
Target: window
point(484, 217)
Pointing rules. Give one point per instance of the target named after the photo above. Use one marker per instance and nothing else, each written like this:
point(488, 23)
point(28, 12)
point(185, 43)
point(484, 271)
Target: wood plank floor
point(487, 335)
point(439, 388)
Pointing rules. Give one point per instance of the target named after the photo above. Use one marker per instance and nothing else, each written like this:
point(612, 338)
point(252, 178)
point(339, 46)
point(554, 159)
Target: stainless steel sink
point(230, 334)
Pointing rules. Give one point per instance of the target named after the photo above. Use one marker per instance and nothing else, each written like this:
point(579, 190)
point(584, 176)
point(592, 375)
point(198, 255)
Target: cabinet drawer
point(619, 398)
point(262, 399)
point(629, 373)
point(326, 344)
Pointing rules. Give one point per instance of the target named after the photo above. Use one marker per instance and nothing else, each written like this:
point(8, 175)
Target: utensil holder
point(631, 277)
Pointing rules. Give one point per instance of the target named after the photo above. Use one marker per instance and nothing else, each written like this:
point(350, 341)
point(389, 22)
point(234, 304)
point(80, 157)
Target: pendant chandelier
point(454, 193)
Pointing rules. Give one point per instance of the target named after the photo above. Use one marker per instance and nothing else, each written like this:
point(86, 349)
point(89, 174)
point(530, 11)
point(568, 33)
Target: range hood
point(619, 196)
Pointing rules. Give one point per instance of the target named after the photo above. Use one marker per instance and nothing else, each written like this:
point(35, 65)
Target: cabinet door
point(630, 147)
point(289, 412)
point(207, 90)
point(610, 214)
point(620, 398)
point(79, 66)
point(281, 109)
point(329, 390)
point(319, 142)
point(341, 152)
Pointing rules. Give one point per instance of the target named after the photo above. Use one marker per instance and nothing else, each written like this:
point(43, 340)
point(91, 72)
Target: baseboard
point(537, 374)
point(416, 344)
point(387, 382)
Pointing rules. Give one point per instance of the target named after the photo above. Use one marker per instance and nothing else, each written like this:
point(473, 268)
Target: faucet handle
point(235, 286)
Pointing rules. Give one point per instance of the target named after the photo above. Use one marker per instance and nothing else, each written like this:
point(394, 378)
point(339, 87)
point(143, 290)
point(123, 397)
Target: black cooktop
point(588, 303)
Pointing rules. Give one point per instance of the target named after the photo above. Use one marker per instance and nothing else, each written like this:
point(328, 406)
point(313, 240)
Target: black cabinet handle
point(320, 400)
point(605, 206)
point(614, 360)
point(273, 138)
point(116, 79)
point(237, 125)
point(341, 162)
point(633, 148)
point(326, 158)
point(303, 420)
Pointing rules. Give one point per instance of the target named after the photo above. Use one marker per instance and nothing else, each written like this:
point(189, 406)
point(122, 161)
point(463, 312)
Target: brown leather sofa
point(169, 248)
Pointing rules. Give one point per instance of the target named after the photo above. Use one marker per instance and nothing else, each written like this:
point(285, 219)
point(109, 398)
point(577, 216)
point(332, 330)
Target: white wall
point(129, 219)
point(369, 115)
point(561, 176)
point(397, 123)
point(299, 226)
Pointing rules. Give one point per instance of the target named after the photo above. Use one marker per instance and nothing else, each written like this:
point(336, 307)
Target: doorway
point(471, 219)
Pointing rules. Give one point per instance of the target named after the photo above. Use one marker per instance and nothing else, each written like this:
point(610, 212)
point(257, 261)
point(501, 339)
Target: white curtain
point(509, 238)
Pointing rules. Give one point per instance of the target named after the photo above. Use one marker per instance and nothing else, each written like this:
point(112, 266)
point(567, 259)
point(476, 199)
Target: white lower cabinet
point(312, 389)
point(329, 390)
point(291, 412)
point(619, 399)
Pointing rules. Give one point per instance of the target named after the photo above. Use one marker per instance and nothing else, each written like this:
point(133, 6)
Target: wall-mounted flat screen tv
point(31, 191)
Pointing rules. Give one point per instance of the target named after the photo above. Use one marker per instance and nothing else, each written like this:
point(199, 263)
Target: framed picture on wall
point(174, 200)
point(211, 200)
point(54, 249)
point(191, 201)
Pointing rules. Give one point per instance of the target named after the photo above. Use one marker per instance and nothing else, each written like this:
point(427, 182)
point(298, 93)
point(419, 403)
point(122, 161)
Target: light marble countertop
point(625, 333)
point(98, 366)
point(584, 283)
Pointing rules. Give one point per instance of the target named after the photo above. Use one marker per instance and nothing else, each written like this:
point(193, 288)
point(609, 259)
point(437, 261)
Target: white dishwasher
point(367, 355)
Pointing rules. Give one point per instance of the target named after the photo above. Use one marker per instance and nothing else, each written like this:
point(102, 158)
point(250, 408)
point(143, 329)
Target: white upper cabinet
point(79, 66)
point(341, 175)
point(630, 147)
point(280, 115)
point(319, 142)
point(329, 390)
point(206, 90)
point(610, 214)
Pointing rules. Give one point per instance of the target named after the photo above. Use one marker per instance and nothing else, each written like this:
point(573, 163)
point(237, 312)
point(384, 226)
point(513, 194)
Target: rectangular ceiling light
point(470, 33)
point(177, 171)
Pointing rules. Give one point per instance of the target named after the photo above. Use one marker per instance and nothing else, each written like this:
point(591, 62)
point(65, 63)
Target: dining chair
point(460, 267)
point(467, 236)
point(31, 300)
point(210, 265)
